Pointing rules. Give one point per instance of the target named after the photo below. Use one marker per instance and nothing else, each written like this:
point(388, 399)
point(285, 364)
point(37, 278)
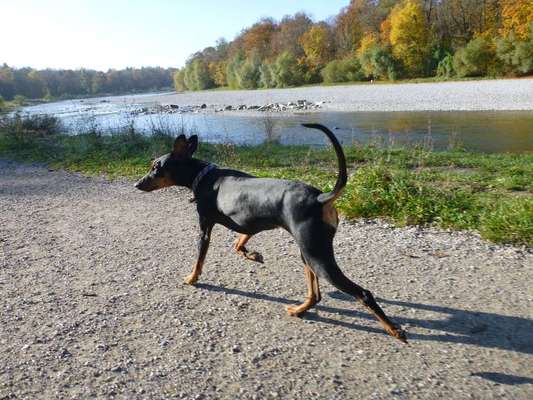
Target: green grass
point(490, 193)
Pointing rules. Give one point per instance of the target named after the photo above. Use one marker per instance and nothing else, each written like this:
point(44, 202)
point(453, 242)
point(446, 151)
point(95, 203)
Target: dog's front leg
point(203, 245)
point(249, 255)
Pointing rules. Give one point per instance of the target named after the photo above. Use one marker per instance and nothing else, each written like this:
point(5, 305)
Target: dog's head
point(172, 168)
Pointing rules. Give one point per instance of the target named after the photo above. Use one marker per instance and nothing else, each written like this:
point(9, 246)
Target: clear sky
point(102, 34)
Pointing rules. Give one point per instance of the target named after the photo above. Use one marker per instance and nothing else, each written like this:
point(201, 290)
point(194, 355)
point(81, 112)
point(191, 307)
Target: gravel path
point(93, 305)
point(486, 95)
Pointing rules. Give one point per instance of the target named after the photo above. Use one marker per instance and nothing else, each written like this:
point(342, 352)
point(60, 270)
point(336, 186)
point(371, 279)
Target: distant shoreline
point(481, 95)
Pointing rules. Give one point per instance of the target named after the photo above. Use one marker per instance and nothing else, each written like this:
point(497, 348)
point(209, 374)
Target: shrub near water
point(382, 192)
point(347, 70)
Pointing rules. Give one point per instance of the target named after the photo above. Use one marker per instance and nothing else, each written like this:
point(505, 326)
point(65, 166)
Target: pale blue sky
point(104, 34)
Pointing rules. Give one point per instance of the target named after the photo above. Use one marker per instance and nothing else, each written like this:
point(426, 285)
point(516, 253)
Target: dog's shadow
point(475, 328)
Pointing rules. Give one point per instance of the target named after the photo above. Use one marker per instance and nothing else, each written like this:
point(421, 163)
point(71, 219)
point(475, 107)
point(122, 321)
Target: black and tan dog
point(248, 205)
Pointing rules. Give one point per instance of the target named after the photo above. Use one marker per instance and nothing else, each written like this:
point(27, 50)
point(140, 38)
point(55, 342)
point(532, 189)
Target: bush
point(445, 67)
point(380, 192)
point(23, 126)
point(347, 70)
point(509, 221)
point(515, 55)
point(19, 100)
point(475, 59)
point(332, 72)
point(377, 63)
point(2, 103)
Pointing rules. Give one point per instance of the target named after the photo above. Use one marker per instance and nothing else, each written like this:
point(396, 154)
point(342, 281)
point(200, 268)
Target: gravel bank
point(92, 304)
point(487, 95)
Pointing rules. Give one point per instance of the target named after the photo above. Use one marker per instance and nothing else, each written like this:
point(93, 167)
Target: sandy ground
point(485, 95)
point(93, 305)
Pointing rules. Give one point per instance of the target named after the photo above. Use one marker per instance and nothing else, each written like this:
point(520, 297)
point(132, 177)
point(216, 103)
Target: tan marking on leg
point(205, 238)
point(192, 278)
point(330, 215)
point(240, 249)
point(313, 294)
point(392, 329)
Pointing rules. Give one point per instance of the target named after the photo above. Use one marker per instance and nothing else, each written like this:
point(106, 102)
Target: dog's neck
point(195, 167)
point(208, 168)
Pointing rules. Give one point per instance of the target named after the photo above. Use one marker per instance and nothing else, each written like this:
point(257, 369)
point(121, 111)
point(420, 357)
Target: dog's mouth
point(144, 185)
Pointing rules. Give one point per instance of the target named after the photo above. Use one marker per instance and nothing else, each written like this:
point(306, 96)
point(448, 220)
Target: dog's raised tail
point(342, 178)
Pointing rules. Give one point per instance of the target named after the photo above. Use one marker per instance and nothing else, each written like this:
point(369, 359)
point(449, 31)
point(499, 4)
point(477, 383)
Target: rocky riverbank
point(298, 105)
point(505, 94)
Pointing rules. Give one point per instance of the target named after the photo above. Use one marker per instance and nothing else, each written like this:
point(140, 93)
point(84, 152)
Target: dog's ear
point(181, 147)
point(193, 145)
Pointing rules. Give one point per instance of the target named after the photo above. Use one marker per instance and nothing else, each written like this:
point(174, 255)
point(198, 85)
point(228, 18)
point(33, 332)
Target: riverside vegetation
point(490, 193)
point(372, 40)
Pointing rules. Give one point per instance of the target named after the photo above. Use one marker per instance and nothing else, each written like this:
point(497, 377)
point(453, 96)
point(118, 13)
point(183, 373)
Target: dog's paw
point(398, 333)
point(295, 311)
point(191, 279)
point(255, 256)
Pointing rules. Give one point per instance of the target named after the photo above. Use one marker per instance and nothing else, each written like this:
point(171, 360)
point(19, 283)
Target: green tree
point(85, 81)
point(197, 75)
point(179, 80)
point(98, 83)
point(232, 70)
point(249, 73)
point(347, 70)
point(266, 76)
point(475, 59)
point(377, 62)
point(516, 55)
point(287, 71)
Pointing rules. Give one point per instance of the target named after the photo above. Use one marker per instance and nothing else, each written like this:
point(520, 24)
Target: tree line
point(54, 84)
point(371, 39)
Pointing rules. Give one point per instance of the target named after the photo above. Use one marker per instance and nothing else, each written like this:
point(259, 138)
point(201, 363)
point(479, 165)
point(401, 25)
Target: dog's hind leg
point(249, 255)
point(203, 245)
point(317, 248)
point(334, 275)
point(313, 294)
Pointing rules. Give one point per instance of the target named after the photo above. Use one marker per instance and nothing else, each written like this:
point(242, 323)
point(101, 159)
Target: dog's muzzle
point(143, 185)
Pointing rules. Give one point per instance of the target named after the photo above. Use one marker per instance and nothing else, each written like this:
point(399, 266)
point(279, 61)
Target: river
point(480, 131)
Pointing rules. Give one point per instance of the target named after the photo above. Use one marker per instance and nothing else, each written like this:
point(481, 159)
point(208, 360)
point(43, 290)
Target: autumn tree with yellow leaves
point(409, 36)
point(517, 15)
point(317, 45)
